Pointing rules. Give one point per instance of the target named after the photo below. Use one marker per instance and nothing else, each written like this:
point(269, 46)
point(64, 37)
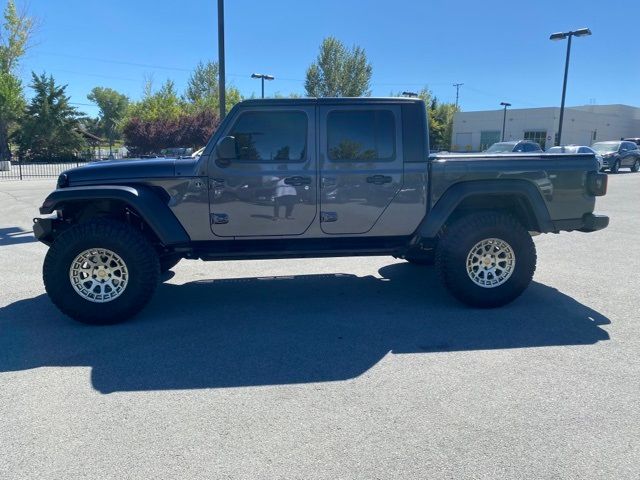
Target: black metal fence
point(21, 170)
point(30, 170)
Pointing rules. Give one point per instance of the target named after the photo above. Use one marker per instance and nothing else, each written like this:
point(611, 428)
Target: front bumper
point(588, 223)
point(44, 229)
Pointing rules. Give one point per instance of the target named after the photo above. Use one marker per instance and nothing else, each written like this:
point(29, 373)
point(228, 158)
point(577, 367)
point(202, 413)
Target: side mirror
point(226, 151)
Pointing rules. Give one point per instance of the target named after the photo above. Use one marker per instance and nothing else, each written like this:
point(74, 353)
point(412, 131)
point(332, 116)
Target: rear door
point(269, 189)
point(361, 168)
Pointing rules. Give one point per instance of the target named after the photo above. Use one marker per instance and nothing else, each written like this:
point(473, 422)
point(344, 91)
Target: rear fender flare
point(446, 205)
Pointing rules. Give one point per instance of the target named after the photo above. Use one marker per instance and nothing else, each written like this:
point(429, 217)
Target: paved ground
point(332, 368)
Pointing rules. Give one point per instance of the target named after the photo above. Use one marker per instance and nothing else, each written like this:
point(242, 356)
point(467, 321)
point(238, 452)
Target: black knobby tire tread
point(454, 241)
point(132, 243)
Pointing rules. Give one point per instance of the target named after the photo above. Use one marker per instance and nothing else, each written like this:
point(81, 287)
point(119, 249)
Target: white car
point(578, 149)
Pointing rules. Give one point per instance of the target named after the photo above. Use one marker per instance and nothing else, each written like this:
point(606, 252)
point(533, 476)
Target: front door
point(361, 165)
point(269, 189)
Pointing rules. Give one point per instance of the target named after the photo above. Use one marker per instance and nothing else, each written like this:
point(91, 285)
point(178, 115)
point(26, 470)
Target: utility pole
point(457, 85)
point(221, 65)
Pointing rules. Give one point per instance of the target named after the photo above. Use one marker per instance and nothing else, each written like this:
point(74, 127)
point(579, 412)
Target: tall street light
point(504, 117)
point(221, 64)
point(262, 77)
point(583, 32)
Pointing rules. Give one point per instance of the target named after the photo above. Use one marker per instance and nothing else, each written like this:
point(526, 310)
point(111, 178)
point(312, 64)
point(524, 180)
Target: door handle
point(379, 179)
point(297, 181)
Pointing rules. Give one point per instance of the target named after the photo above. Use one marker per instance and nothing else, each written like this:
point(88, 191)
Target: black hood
point(122, 170)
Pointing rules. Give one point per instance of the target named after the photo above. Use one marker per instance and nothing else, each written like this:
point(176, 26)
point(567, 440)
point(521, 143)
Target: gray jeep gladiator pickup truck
point(310, 178)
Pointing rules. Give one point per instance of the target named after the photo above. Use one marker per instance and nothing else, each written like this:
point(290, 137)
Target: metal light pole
point(504, 117)
point(561, 36)
point(221, 65)
point(457, 85)
point(262, 77)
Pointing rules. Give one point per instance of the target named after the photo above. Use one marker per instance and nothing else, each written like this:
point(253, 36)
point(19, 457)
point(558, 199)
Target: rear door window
point(364, 135)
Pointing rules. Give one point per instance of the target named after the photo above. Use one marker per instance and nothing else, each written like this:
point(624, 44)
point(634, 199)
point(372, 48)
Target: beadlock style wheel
point(491, 263)
point(98, 275)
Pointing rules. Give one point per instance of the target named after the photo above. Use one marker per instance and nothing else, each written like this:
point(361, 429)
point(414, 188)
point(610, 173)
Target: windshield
point(606, 147)
point(500, 148)
point(569, 149)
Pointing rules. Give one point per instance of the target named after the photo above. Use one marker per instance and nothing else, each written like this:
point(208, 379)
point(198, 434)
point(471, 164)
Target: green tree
point(15, 33)
point(113, 108)
point(440, 117)
point(49, 128)
point(339, 71)
point(163, 104)
point(203, 89)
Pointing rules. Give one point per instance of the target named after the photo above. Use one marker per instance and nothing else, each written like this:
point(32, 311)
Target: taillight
point(597, 183)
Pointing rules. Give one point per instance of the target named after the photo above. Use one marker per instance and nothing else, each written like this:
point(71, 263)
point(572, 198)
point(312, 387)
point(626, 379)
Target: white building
point(584, 125)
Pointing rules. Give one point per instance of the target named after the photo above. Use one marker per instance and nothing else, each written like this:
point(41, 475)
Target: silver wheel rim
point(490, 263)
point(99, 275)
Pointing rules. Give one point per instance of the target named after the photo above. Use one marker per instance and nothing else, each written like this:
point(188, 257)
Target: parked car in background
point(635, 140)
point(617, 155)
point(176, 152)
point(578, 149)
point(521, 146)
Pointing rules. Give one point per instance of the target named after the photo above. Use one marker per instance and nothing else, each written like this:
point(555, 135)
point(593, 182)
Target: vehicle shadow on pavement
point(14, 236)
point(284, 330)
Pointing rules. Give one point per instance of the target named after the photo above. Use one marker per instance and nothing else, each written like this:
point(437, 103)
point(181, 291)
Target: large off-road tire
point(101, 272)
point(486, 259)
point(636, 166)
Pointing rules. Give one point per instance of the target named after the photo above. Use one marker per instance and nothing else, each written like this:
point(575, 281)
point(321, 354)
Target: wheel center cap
point(102, 273)
point(487, 260)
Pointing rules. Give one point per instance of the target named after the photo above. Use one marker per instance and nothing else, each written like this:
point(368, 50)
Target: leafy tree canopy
point(113, 108)
point(49, 129)
point(15, 33)
point(339, 71)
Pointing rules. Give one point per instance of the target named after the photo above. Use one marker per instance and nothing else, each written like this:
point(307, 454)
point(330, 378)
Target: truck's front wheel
point(486, 259)
point(101, 272)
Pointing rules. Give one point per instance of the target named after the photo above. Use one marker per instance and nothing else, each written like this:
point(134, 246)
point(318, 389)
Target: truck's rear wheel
point(101, 272)
point(486, 259)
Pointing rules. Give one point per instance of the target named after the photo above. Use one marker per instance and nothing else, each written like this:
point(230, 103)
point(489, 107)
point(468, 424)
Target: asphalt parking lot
point(329, 368)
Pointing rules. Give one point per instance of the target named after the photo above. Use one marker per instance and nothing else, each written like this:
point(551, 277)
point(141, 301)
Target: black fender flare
point(141, 199)
point(454, 195)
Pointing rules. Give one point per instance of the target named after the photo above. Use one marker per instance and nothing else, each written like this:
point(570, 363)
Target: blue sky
point(498, 49)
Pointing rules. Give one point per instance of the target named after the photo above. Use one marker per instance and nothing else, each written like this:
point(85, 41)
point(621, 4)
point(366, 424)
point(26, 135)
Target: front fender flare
point(141, 199)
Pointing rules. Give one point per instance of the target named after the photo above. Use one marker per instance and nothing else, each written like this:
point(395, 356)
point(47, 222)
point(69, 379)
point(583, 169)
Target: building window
point(488, 138)
point(538, 136)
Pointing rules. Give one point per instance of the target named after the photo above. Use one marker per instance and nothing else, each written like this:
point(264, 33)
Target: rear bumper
point(588, 223)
